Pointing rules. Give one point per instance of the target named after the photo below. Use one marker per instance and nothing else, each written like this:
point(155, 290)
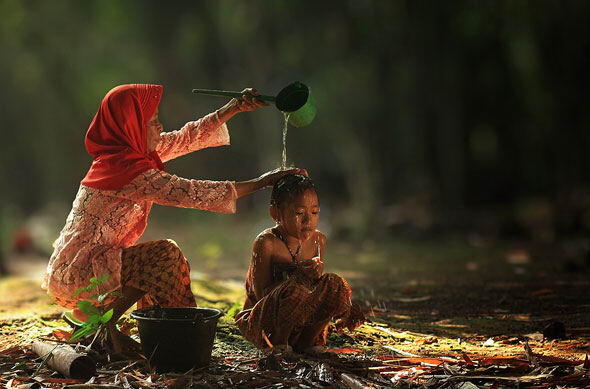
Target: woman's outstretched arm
point(208, 131)
point(217, 196)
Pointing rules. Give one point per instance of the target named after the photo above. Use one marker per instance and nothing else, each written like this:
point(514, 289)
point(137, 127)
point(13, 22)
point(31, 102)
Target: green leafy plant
point(97, 315)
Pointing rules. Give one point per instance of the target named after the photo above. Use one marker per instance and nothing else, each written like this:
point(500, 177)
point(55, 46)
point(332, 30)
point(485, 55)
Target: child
point(111, 209)
point(289, 301)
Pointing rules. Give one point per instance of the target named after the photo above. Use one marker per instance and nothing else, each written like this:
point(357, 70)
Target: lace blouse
point(104, 222)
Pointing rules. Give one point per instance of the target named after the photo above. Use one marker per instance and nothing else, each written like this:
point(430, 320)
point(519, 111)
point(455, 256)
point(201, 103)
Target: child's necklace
point(293, 255)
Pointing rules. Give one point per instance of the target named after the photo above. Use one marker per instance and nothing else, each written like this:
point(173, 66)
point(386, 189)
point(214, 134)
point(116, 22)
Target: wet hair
point(288, 188)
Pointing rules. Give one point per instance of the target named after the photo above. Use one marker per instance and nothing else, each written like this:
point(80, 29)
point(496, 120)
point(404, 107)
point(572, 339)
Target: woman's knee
point(167, 248)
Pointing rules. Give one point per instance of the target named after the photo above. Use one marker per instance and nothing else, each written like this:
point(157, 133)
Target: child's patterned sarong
point(294, 305)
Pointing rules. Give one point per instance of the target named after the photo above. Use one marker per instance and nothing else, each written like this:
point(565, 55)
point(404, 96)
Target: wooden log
point(65, 360)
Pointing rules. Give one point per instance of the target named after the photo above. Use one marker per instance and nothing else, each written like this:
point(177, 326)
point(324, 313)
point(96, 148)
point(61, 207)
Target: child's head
point(295, 206)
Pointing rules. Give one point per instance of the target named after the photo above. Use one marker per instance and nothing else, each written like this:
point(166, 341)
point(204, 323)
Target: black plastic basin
point(177, 339)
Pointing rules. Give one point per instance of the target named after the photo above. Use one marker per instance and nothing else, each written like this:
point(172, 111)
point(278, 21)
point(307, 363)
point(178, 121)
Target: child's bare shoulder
point(265, 240)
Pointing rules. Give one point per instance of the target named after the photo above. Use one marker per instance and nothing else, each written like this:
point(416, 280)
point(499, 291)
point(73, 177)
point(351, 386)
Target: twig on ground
point(401, 353)
point(93, 386)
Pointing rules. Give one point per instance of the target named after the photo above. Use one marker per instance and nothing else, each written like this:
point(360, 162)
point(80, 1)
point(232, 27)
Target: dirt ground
point(463, 302)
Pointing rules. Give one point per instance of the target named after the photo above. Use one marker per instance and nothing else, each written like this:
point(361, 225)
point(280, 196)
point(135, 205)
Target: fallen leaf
point(428, 361)
point(345, 351)
point(556, 360)
point(175, 383)
point(62, 335)
point(426, 341)
point(467, 360)
point(126, 327)
point(491, 361)
point(489, 343)
point(511, 341)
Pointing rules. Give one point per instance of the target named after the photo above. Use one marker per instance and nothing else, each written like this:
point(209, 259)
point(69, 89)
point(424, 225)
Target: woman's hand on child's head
point(244, 188)
point(269, 178)
point(248, 101)
point(303, 172)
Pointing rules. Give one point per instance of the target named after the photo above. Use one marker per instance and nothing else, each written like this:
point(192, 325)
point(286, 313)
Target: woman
point(110, 211)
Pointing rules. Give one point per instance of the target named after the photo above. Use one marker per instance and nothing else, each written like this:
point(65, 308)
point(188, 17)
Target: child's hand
point(315, 261)
point(311, 268)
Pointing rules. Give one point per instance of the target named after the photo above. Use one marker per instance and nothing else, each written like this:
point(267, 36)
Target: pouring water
point(285, 129)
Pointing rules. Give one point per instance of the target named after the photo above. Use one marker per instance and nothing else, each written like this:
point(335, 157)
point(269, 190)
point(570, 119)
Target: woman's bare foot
point(281, 351)
point(121, 344)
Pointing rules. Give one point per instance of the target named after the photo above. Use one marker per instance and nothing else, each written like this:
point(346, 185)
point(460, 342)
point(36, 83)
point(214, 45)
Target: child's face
point(300, 217)
point(154, 128)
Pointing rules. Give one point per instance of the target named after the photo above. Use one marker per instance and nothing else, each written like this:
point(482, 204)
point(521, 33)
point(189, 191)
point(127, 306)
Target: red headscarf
point(117, 136)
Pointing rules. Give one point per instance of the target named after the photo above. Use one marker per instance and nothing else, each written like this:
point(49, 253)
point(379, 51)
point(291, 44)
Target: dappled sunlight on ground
point(424, 314)
point(428, 305)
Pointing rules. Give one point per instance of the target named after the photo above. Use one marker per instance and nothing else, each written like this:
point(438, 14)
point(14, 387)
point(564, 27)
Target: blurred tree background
point(434, 117)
